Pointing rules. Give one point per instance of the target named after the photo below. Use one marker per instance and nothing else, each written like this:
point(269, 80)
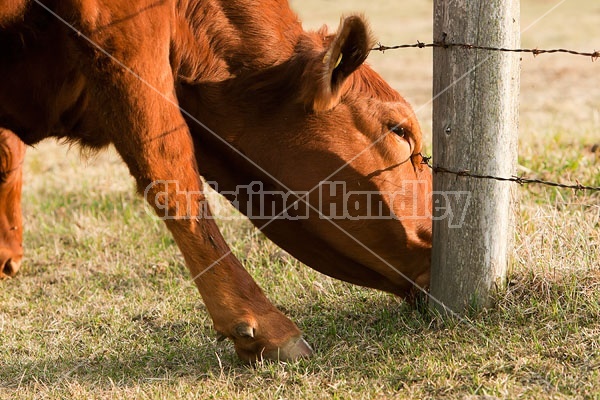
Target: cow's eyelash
point(397, 130)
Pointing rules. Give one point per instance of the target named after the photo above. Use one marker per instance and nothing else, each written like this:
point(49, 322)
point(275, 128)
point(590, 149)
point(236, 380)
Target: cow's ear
point(345, 53)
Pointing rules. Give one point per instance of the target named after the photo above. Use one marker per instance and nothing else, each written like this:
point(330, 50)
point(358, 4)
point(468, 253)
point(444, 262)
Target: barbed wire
point(380, 47)
point(517, 179)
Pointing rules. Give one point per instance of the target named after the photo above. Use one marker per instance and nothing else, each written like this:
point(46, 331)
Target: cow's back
point(50, 51)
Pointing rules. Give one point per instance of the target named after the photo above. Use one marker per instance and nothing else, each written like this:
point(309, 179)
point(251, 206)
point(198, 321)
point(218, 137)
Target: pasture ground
point(104, 307)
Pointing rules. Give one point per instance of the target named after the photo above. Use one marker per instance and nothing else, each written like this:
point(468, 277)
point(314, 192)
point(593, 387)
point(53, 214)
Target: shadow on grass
point(366, 319)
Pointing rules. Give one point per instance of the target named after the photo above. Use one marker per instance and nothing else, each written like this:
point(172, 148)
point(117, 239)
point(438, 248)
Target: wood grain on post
point(475, 125)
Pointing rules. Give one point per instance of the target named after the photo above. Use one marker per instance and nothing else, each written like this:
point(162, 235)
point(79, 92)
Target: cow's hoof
point(291, 350)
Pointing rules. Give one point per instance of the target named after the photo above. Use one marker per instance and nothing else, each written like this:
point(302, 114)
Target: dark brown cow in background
point(12, 152)
point(261, 100)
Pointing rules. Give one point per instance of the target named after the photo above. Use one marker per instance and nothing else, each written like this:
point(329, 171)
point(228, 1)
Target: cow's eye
point(398, 130)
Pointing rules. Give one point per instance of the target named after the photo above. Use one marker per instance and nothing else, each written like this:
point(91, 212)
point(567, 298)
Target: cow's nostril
point(8, 269)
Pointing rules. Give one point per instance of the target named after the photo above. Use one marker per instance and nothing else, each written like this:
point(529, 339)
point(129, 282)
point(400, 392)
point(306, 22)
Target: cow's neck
point(219, 39)
point(219, 45)
point(218, 120)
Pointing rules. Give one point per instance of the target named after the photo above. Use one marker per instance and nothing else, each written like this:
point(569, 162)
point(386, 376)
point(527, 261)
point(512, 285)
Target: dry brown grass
point(103, 307)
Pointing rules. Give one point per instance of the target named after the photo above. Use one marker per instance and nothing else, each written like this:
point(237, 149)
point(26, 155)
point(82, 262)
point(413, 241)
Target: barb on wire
point(594, 54)
point(517, 179)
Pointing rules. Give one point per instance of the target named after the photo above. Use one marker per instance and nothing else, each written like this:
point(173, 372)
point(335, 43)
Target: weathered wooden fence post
point(475, 123)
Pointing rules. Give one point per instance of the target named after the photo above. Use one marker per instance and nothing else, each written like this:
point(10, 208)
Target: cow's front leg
point(141, 116)
point(238, 307)
point(164, 166)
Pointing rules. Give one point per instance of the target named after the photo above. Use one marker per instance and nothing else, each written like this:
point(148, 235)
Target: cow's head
point(12, 152)
point(325, 124)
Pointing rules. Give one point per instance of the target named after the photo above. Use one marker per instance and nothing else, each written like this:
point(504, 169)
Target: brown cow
point(12, 152)
point(265, 102)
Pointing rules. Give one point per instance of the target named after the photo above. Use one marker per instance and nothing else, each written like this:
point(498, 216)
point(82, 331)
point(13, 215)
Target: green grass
point(104, 308)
